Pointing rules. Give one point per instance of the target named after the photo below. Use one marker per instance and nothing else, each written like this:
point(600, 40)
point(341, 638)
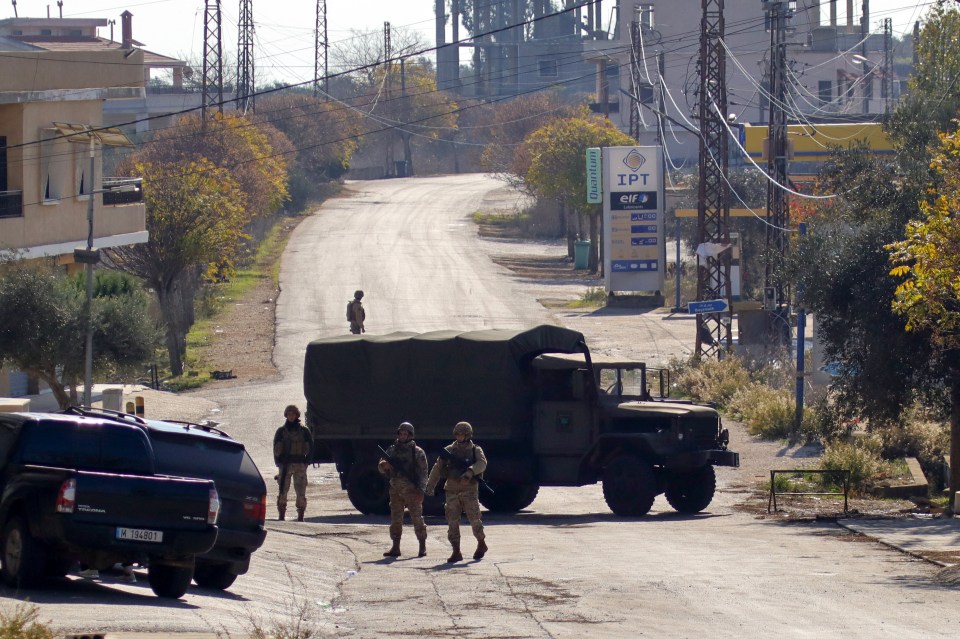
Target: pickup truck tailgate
point(139, 501)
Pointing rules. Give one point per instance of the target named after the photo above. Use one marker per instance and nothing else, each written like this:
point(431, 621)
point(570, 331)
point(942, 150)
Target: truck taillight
point(256, 510)
point(67, 497)
point(213, 510)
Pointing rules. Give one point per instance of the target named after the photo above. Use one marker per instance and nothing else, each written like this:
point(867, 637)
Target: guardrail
point(772, 500)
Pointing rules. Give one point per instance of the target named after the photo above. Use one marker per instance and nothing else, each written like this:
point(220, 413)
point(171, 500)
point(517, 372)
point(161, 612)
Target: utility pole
point(320, 49)
point(635, 80)
point(246, 89)
point(867, 65)
point(778, 210)
point(212, 59)
point(713, 203)
point(887, 86)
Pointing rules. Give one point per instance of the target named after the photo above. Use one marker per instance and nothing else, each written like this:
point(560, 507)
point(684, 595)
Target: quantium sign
point(633, 218)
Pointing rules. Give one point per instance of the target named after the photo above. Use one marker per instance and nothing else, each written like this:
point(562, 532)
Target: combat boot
point(394, 549)
point(455, 556)
point(423, 548)
point(282, 512)
point(300, 512)
point(481, 550)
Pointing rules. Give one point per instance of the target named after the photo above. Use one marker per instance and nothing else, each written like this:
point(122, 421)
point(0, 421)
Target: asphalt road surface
point(566, 567)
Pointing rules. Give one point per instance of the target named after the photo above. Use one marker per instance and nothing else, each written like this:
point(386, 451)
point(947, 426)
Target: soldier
point(292, 451)
point(460, 466)
point(356, 315)
point(405, 464)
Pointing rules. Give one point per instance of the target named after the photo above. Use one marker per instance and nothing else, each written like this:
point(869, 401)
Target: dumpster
point(581, 254)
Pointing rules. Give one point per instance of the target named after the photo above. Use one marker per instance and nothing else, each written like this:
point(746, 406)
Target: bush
point(860, 456)
point(22, 624)
point(709, 380)
point(766, 412)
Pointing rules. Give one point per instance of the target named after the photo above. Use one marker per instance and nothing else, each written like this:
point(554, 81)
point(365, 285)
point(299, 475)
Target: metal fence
point(843, 474)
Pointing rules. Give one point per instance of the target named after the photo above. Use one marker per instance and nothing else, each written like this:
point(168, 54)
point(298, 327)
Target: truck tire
point(435, 505)
point(169, 581)
point(691, 492)
point(367, 489)
point(629, 486)
point(508, 498)
point(24, 559)
point(216, 576)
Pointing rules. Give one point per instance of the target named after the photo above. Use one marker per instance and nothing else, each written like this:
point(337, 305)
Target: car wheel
point(169, 581)
point(629, 486)
point(691, 492)
point(367, 489)
point(212, 575)
point(23, 560)
point(508, 498)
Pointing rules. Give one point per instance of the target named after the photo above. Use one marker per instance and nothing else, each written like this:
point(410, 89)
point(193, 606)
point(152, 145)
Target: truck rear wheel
point(691, 492)
point(508, 498)
point(169, 581)
point(629, 486)
point(23, 560)
point(367, 489)
point(217, 576)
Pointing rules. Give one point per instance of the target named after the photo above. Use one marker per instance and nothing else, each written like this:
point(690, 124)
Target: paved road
point(565, 568)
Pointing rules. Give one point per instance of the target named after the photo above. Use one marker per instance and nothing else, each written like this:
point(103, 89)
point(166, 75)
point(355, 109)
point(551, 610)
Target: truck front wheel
point(691, 492)
point(367, 489)
point(23, 556)
point(508, 498)
point(169, 581)
point(629, 486)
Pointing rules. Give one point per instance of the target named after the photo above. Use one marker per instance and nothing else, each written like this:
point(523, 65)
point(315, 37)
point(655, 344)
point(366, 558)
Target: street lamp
point(89, 256)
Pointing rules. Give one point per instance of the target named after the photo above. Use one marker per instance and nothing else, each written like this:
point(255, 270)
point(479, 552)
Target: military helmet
point(407, 426)
point(357, 295)
point(463, 427)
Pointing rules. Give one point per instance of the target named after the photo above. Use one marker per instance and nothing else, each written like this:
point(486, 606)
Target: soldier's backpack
point(350, 310)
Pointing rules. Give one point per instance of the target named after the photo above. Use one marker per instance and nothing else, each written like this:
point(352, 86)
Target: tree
point(552, 161)
point(195, 217)
point(43, 327)
point(929, 296)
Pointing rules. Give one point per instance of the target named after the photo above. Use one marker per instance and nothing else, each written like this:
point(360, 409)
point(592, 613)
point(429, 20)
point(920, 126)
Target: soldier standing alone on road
point(292, 451)
point(405, 464)
point(463, 463)
point(355, 314)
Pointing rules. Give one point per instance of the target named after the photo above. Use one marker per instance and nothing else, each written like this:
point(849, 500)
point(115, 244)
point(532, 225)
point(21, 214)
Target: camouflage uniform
point(357, 315)
point(292, 451)
point(462, 494)
point(404, 494)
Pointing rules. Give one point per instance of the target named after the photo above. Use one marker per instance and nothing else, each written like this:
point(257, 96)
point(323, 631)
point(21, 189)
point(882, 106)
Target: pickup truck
point(80, 489)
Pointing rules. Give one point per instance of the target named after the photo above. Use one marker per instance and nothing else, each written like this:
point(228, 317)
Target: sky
point(284, 40)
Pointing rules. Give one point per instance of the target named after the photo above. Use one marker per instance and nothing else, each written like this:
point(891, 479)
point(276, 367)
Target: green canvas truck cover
point(360, 386)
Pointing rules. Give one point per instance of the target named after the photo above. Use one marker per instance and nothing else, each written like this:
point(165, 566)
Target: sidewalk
point(936, 540)
point(157, 404)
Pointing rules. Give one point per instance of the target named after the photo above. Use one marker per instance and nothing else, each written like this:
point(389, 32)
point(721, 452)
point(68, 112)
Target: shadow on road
point(71, 591)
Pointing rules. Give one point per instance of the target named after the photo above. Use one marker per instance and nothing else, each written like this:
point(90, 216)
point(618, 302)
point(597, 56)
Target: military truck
point(545, 411)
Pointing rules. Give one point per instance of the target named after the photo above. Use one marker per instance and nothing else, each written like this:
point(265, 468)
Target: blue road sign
point(709, 306)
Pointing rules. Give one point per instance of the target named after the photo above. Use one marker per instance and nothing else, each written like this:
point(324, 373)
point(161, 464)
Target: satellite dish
point(188, 72)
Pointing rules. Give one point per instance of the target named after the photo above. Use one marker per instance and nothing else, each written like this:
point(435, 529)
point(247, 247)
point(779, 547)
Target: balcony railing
point(11, 203)
point(114, 194)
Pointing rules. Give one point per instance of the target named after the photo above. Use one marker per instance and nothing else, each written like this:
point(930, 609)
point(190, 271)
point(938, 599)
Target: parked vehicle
point(196, 450)
point(544, 411)
point(81, 489)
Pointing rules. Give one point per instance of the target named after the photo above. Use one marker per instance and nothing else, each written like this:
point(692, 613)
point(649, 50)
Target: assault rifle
point(461, 466)
point(401, 468)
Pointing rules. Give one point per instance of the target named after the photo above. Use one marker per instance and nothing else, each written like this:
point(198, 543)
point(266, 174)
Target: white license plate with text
point(140, 534)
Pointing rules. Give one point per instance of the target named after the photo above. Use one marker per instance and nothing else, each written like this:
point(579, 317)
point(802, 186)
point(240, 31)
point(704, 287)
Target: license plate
point(140, 534)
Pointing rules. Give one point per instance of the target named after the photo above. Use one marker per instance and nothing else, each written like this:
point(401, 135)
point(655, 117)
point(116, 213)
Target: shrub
point(709, 380)
point(860, 456)
point(22, 623)
point(766, 412)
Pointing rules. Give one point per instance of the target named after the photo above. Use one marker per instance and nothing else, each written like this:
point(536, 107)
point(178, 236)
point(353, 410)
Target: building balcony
point(118, 190)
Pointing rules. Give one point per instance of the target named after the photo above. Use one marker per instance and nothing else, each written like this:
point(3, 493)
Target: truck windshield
point(626, 384)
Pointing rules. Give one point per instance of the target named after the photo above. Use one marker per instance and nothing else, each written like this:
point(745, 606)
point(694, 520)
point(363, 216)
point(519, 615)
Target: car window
point(8, 437)
point(185, 455)
point(84, 446)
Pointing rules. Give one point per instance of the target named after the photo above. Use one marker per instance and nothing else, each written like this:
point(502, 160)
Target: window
point(51, 180)
point(548, 68)
point(81, 157)
point(46, 32)
point(646, 94)
point(825, 91)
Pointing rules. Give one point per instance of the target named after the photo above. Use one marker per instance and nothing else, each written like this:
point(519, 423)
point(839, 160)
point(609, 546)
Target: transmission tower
point(212, 59)
point(778, 209)
point(713, 204)
point(246, 90)
point(635, 54)
point(320, 49)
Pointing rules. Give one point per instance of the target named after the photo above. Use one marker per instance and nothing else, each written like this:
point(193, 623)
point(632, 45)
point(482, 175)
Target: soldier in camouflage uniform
point(292, 451)
point(408, 478)
point(467, 461)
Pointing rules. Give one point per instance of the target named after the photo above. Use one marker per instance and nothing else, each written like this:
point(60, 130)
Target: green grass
point(594, 296)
